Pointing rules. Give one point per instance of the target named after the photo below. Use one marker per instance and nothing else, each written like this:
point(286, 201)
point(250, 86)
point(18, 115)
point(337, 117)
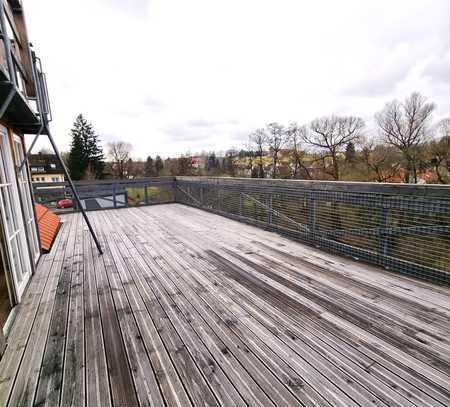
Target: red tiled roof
point(48, 224)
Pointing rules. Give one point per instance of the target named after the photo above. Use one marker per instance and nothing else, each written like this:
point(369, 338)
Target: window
point(53, 166)
point(55, 179)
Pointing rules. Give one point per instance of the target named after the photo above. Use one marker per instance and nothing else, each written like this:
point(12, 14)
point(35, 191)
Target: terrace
point(188, 307)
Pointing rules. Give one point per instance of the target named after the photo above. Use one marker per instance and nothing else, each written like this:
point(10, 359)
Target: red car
point(64, 203)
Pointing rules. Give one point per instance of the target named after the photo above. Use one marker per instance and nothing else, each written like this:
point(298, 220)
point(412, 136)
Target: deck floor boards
point(187, 308)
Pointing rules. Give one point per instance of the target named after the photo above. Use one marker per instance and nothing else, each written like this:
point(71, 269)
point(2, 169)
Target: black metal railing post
point(312, 213)
point(384, 239)
point(114, 195)
point(270, 209)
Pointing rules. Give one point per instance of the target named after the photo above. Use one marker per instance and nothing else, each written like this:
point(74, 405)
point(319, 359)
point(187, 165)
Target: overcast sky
point(177, 76)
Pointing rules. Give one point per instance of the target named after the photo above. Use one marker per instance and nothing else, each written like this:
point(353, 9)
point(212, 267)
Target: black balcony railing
point(99, 195)
point(404, 228)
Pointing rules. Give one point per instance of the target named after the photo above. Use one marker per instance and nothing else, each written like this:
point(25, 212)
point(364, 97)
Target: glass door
point(25, 195)
point(16, 244)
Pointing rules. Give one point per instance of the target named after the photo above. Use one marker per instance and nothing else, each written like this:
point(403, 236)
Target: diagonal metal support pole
point(74, 191)
point(25, 159)
point(276, 213)
point(7, 101)
point(43, 106)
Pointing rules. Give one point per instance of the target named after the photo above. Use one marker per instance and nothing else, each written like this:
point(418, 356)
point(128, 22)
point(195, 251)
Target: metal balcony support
point(27, 154)
point(7, 101)
point(44, 111)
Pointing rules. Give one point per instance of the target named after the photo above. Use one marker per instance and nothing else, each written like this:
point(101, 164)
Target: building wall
point(39, 177)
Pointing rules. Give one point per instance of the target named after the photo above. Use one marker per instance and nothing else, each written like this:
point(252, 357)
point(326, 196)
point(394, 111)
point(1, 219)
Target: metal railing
point(405, 228)
point(110, 194)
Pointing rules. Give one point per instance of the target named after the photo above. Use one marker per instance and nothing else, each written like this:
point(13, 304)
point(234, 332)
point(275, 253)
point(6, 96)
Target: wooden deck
point(189, 308)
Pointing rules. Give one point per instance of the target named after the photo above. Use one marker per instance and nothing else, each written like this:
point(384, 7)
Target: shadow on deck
point(189, 308)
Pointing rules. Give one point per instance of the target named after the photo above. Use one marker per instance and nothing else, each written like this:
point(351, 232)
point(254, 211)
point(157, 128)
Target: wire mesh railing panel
point(111, 194)
point(406, 232)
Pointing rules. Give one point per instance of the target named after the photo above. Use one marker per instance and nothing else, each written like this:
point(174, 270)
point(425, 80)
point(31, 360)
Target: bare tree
point(276, 139)
point(444, 128)
point(295, 135)
point(119, 154)
point(382, 160)
point(332, 134)
point(439, 150)
point(404, 126)
point(259, 139)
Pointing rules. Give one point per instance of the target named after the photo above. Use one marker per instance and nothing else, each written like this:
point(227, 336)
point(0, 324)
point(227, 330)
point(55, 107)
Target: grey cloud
point(182, 133)
point(439, 69)
point(201, 129)
point(201, 123)
point(212, 123)
point(385, 72)
point(153, 104)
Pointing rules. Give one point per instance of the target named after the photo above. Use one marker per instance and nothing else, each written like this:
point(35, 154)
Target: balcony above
point(21, 83)
point(189, 308)
point(19, 114)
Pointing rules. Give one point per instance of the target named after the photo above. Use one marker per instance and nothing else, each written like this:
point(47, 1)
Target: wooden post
point(201, 197)
point(114, 196)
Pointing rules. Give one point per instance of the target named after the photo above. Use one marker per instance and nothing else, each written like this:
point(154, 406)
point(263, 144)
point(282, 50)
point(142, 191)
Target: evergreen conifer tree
point(350, 152)
point(86, 154)
point(149, 169)
point(159, 165)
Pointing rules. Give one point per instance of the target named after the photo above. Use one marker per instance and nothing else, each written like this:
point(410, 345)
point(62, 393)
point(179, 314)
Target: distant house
point(198, 161)
point(45, 168)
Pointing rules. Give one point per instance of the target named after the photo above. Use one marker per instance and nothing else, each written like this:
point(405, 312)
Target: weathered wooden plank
point(341, 399)
point(189, 308)
point(225, 346)
point(147, 388)
point(50, 378)
point(169, 381)
point(123, 392)
point(73, 391)
point(28, 375)
point(193, 380)
point(23, 326)
point(176, 222)
point(199, 337)
point(96, 369)
point(401, 286)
